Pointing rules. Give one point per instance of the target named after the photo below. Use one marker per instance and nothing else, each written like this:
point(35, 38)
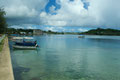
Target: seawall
point(6, 71)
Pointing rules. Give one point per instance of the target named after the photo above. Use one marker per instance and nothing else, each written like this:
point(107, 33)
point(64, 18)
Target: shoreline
point(99, 35)
point(6, 70)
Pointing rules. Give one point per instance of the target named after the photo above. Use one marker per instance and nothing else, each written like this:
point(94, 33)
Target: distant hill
point(100, 31)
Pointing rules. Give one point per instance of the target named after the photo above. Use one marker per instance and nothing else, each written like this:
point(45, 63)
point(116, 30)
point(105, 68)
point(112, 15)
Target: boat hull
point(81, 36)
point(24, 47)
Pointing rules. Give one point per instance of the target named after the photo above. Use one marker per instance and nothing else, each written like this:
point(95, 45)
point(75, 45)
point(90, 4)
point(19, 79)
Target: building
point(37, 32)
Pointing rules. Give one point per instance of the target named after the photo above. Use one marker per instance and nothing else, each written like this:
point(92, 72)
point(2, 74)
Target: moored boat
point(24, 47)
point(81, 36)
point(19, 39)
point(24, 43)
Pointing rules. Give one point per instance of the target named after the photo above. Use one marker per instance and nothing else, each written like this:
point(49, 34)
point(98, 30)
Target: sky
point(62, 15)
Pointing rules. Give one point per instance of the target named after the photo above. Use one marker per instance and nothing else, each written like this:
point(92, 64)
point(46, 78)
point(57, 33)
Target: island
point(101, 31)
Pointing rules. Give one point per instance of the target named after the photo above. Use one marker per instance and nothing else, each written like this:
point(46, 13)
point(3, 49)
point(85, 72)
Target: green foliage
point(1, 44)
point(100, 31)
point(3, 24)
point(18, 31)
point(52, 32)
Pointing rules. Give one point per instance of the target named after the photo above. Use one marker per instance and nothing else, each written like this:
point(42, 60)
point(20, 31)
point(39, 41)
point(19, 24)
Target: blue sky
point(62, 15)
point(51, 3)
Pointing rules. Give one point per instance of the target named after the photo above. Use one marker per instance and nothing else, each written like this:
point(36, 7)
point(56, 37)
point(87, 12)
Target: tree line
point(101, 31)
point(3, 24)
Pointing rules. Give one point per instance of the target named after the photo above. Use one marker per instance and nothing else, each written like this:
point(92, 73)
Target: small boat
point(14, 39)
point(24, 43)
point(24, 47)
point(81, 36)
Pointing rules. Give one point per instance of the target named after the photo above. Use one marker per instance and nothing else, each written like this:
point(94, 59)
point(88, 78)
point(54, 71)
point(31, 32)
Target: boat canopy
point(23, 38)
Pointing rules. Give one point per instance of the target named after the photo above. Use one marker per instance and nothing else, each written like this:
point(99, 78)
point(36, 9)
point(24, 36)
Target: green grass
point(1, 44)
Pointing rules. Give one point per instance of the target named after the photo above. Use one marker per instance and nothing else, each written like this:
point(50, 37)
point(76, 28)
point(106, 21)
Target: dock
point(6, 71)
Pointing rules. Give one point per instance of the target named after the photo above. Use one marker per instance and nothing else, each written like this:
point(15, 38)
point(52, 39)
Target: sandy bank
point(6, 72)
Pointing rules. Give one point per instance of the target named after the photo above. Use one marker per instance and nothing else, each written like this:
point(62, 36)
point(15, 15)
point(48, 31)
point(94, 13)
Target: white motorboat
point(24, 47)
point(81, 36)
point(24, 43)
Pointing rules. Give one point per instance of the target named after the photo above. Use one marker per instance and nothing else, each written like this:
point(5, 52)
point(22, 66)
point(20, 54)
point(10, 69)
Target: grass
point(1, 44)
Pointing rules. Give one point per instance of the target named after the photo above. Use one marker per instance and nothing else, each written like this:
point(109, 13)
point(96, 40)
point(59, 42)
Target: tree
point(3, 24)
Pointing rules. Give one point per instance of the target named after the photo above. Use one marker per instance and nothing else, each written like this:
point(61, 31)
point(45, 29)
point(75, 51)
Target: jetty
point(6, 71)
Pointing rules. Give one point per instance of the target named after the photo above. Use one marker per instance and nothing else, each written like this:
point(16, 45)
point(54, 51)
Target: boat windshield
point(23, 38)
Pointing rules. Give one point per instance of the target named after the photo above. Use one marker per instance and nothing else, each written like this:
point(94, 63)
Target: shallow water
point(67, 57)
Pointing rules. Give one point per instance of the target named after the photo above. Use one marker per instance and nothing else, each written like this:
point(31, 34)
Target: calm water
point(67, 57)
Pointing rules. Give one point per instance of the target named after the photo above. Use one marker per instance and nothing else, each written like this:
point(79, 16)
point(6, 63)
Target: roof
point(23, 38)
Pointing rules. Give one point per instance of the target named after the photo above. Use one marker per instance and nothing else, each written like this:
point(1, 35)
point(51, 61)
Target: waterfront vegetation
point(30, 31)
point(19, 31)
point(1, 44)
point(100, 31)
point(52, 32)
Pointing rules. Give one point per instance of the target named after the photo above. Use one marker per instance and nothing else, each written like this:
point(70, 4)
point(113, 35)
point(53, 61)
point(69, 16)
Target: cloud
point(82, 30)
point(93, 13)
point(55, 29)
point(50, 28)
point(23, 9)
point(73, 13)
point(106, 12)
point(23, 26)
point(20, 11)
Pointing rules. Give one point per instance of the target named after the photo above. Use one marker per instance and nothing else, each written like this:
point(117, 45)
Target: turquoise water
point(67, 57)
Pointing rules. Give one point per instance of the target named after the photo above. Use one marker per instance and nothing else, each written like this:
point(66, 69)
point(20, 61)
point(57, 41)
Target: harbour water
point(67, 57)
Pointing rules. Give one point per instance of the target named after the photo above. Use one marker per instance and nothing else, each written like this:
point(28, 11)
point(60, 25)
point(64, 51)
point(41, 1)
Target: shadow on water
point(36, 78)
point(18, 72)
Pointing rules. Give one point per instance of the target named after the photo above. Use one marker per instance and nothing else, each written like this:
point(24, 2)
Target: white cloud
point(82, 30)
point(54, 28)
point(106, 12)
point(16, 26)
point(72, 13)
point(22, 8)
point(20, 11)
point(51, 28)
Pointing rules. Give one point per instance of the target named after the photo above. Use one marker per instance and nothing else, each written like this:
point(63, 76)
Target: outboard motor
point(36, 44)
